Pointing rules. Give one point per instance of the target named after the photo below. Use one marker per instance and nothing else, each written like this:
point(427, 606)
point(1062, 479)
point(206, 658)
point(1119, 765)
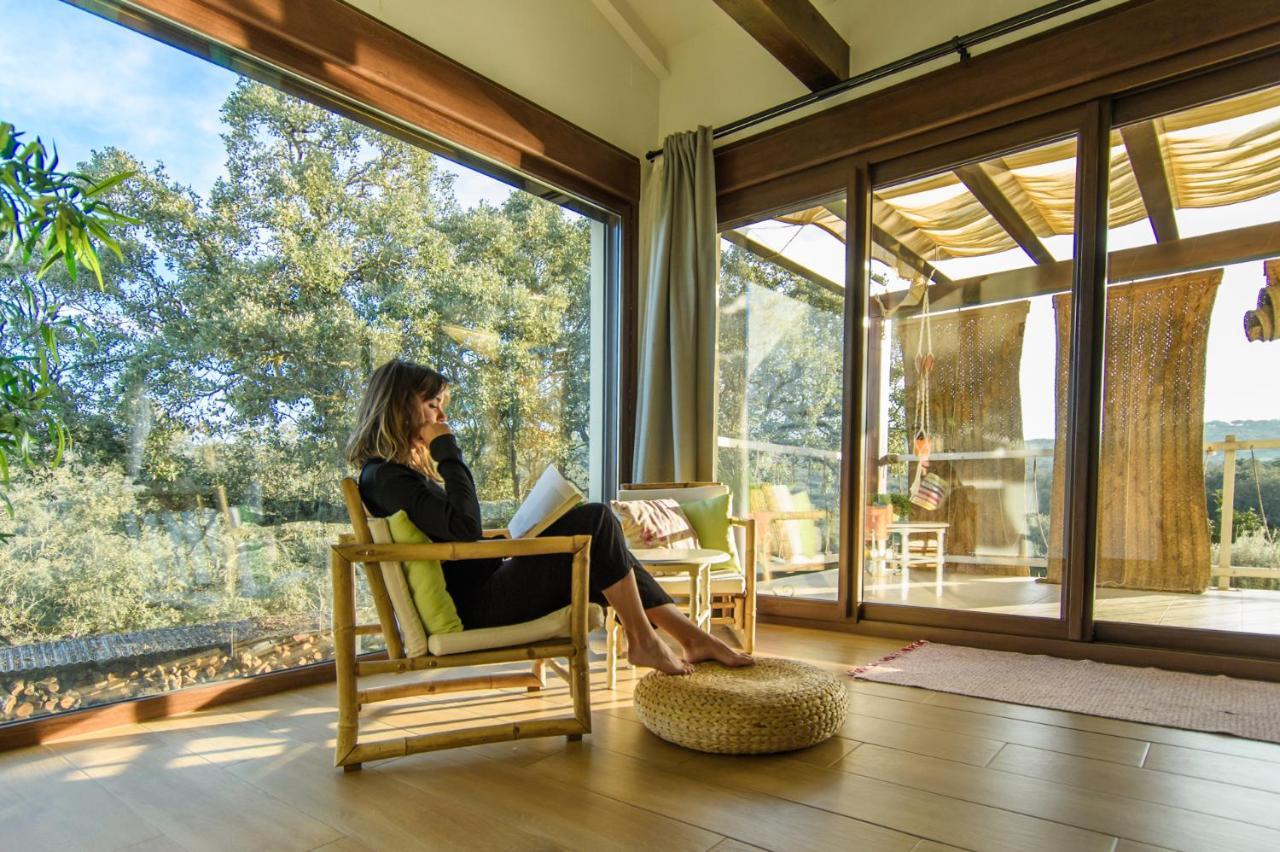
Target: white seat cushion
point(726, 582)
point(553, 625)
point(412, 633)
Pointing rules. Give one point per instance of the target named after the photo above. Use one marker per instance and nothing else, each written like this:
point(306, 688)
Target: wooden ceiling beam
point(797, 35)
point(1143, 145)
point(1002, 210)
point(627, 24)
point(1241, 245)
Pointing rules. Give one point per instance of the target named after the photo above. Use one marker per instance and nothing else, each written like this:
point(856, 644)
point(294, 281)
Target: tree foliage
point(57, 217)
point(248, 321)
point(230, 344)
point(781, 374)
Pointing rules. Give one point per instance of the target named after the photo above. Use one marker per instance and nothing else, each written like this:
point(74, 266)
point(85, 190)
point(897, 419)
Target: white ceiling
point(673, 21)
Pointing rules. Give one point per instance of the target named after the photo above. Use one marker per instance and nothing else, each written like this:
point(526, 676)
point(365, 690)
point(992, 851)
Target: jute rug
point(1215, 703)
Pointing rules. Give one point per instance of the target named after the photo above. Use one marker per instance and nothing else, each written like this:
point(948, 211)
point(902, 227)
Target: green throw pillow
point(810, 537)
point(710, 520)
point(426, 580)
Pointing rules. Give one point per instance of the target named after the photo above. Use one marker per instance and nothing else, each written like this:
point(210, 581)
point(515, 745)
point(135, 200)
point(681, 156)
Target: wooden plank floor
point(911, 770)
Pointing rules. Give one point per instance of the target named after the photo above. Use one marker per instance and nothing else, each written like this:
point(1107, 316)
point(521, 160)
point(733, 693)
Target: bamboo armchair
point(350, 753)
point(733, 598)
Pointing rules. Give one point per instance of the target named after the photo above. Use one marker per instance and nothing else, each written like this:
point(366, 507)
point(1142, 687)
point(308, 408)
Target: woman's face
point(433, 410)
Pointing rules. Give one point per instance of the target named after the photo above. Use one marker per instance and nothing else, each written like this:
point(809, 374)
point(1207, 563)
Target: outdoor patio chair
point(794, 536)
point(561, 634)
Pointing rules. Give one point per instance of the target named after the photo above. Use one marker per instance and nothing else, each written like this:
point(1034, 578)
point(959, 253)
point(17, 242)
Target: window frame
point(577, 171)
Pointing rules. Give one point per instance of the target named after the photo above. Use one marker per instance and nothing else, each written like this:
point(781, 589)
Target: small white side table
point(899, 548)
point(696, 563)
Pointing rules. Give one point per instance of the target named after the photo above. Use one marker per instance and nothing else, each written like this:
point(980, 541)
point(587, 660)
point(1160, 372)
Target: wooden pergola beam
point(797, 35)
point(881, 237)
point(1143, 145)
point(892, 244)
point(1002, 210)
point(1257, 242)
point(772, 256)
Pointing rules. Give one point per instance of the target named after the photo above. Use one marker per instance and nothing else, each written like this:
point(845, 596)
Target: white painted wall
point(564, 54)
point(561, 54)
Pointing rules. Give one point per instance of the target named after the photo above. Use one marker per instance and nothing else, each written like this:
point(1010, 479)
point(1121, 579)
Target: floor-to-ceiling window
point(278, 253)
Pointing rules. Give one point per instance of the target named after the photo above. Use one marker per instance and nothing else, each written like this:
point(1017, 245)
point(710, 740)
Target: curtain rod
point(958, 44)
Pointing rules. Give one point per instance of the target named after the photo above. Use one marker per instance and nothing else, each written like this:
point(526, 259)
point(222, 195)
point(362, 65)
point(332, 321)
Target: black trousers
point(526, 587)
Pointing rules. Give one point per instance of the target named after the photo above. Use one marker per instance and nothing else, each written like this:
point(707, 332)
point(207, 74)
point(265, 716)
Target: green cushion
point(426, 580)
point(710, 520)
point(807, 530)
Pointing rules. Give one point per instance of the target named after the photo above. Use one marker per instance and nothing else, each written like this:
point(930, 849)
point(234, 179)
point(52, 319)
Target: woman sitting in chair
point(408, 459)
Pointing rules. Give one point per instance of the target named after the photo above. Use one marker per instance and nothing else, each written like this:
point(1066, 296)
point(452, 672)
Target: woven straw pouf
point(775, 705)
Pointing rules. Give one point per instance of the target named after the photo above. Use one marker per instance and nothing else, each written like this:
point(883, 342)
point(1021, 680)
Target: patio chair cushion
point(412, 633)
point(775, 705)
point(553, 625)
point(710, 520)
point(426, 580)
point(806, 529)
point(799, 536)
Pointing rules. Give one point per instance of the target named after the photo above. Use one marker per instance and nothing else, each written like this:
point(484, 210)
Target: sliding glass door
point(782, 305)
point(970, 271)
point(1060, 356)
point(1189, 480)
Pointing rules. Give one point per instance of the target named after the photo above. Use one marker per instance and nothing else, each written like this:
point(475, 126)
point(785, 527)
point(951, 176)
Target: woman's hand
point(431, 431)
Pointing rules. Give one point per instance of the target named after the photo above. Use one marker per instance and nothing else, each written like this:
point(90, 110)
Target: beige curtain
point(680, 246)
point(1153, 529)
point(975, 406)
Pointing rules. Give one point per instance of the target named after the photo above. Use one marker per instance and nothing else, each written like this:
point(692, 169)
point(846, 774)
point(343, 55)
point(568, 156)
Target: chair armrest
point(497, 532)
point(448, 551)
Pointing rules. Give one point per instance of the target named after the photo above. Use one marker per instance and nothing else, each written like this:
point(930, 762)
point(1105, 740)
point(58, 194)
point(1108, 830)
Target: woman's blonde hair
point(390, 416)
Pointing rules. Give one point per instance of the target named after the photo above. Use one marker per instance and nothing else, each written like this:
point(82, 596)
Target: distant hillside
point(1218, 430)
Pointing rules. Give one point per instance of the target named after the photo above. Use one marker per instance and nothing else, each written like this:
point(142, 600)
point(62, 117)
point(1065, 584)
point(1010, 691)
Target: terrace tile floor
point(1242, 610)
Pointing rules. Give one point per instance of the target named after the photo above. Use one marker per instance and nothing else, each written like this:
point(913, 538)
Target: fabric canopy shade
point(1214, 155)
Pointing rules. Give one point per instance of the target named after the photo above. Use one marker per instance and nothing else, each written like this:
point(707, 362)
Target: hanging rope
point(928, 490)
point(924, 370)
point(1257, 484)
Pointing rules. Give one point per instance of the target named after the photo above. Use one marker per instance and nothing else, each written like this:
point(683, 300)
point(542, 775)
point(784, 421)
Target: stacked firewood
point(86, 686)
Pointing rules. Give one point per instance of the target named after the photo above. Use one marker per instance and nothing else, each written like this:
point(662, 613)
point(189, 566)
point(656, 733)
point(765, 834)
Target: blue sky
point(85, 83)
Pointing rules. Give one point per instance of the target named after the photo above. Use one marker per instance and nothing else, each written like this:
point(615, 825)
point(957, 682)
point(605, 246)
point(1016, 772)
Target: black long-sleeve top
point(448, 513)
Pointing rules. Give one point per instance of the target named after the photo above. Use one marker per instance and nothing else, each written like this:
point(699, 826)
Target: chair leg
point(344, 654)
point(611, 650)
point(540, 672)
point(580, 687)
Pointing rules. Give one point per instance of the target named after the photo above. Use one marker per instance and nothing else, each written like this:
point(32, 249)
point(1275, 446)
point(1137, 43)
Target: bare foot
point(704, 646)
point(656, 655)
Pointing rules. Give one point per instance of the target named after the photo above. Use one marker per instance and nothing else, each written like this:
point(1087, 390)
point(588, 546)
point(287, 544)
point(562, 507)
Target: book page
point(552, 495)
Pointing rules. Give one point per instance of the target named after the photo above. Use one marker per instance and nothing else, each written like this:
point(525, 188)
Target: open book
point(551, 497)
